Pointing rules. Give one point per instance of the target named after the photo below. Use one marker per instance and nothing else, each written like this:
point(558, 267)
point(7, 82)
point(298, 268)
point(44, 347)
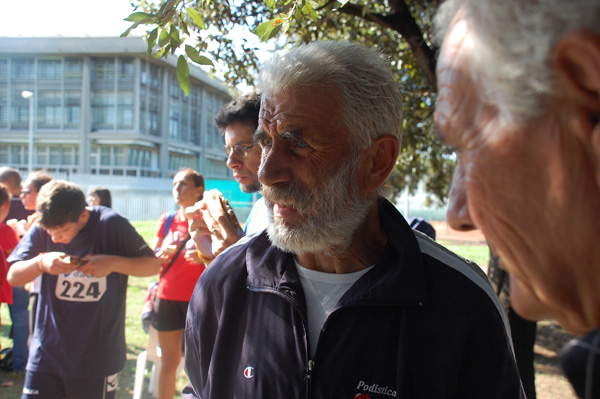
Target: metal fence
point(146, 198)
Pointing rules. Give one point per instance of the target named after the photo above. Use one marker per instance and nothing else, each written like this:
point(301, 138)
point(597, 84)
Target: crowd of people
point(326, 291)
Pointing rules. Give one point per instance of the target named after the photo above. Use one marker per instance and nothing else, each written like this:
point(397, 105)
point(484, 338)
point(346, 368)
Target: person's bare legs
point(170, 346)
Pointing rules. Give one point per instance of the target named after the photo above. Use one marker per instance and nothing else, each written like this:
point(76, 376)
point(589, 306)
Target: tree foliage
point(400, 29)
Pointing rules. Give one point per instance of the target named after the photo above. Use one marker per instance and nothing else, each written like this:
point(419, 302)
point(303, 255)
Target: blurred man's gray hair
point(511, 46)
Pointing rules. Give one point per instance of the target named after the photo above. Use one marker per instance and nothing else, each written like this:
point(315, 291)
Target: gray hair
point(371, 102)
point(512, 43)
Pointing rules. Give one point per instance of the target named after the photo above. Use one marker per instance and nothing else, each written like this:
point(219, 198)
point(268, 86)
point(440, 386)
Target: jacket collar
point(397, 279)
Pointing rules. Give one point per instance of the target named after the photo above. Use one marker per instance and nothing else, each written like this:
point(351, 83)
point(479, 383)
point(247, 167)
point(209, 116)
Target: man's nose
point(458, 215)
point(275, 166)
point(234, 160)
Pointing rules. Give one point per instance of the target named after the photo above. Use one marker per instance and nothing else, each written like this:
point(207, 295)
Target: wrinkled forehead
point(458, 43)
point(312, 102)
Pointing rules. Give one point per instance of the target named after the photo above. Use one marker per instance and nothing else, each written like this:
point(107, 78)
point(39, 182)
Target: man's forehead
point(458, 41)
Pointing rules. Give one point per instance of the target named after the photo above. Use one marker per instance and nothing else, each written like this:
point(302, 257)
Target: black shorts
point(50, 386)
point(169, 315)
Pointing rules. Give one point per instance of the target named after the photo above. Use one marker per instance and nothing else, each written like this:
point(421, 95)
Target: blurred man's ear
point(577, 62)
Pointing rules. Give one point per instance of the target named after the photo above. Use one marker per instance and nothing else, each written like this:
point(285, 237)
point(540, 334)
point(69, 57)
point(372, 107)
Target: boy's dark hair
point(38, 179)
point(59, 202)
point(243, 109)
point(4, 194)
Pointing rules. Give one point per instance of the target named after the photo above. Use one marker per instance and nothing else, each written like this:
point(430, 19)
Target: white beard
point(331, 214)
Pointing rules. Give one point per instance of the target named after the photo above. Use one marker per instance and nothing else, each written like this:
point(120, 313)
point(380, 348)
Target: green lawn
point(136, 338)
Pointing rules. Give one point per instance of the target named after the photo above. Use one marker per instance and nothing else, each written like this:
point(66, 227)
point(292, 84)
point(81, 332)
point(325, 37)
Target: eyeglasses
point(240, 149)
point(25, 192)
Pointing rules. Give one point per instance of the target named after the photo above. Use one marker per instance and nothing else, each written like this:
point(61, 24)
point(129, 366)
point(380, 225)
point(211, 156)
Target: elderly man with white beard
point(339, 298)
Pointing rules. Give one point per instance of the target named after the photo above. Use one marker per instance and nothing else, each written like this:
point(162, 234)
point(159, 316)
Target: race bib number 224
point(80, 287)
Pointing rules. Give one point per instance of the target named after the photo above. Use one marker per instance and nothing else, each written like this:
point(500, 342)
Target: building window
point(73, 69)
point(125, 109)
point(174, 130)
point(121, 161)
point(103, 109)
point(126, 69)
point(50, 70)
point(4, 155)
point(72, 108)
point(179, 161)
point(49, 109)
point(19, 110)
point(56, 157)
point(3, 70)
point(22, 69)
point(103, 69)
point(3, 107)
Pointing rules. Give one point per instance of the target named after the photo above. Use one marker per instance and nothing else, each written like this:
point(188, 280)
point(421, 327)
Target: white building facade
point(101, 107)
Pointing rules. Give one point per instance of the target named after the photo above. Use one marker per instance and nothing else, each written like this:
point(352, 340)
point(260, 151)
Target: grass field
point(136, 338)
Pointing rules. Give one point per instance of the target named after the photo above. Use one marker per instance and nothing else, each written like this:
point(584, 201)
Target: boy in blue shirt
point(85, 256)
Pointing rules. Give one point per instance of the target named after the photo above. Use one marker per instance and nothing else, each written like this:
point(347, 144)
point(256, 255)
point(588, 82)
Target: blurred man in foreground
point(519, 85)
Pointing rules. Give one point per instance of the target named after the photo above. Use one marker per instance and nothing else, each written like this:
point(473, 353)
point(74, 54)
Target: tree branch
point(402, 22)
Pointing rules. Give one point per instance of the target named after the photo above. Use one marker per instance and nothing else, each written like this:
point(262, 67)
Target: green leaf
point(159, 53)
point(308, 9)
point(138, 16)
point(270, 4)
point(124, 34)
point(196, 17)
point(174, 33)
point(183, 74)
point(196, 57)
point(152, 41)
point(268, 29)
point(163, 38)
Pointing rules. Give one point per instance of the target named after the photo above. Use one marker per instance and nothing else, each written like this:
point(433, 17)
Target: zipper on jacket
point(309, 370)
point(310, 362)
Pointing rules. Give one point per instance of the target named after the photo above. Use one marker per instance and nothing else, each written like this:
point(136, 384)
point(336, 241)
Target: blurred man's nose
point(458, 215)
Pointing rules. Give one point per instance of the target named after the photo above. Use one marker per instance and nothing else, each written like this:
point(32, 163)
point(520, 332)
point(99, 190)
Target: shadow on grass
point(550, 339)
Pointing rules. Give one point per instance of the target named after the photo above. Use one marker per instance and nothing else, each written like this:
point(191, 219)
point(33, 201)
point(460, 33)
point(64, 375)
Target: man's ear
point(85, 216)
point(379, 161)
point(577, 62)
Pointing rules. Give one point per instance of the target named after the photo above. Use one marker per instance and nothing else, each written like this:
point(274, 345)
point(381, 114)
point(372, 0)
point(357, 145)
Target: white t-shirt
point(323, 291)
point(258, 219)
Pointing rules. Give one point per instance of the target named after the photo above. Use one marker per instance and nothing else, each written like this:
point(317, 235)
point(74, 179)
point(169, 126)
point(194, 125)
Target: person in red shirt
point(8, 241)
point(176, 282)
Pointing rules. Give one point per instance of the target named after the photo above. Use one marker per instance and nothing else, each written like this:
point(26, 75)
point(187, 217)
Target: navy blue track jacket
point(423, 323)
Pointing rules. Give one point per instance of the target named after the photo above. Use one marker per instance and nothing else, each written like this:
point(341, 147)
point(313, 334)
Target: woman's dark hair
point(104, 194)
point(38, 179)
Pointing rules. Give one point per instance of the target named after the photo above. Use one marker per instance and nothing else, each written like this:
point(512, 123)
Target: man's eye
point(294, 139)
point(301, 144)
point(266, 142)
